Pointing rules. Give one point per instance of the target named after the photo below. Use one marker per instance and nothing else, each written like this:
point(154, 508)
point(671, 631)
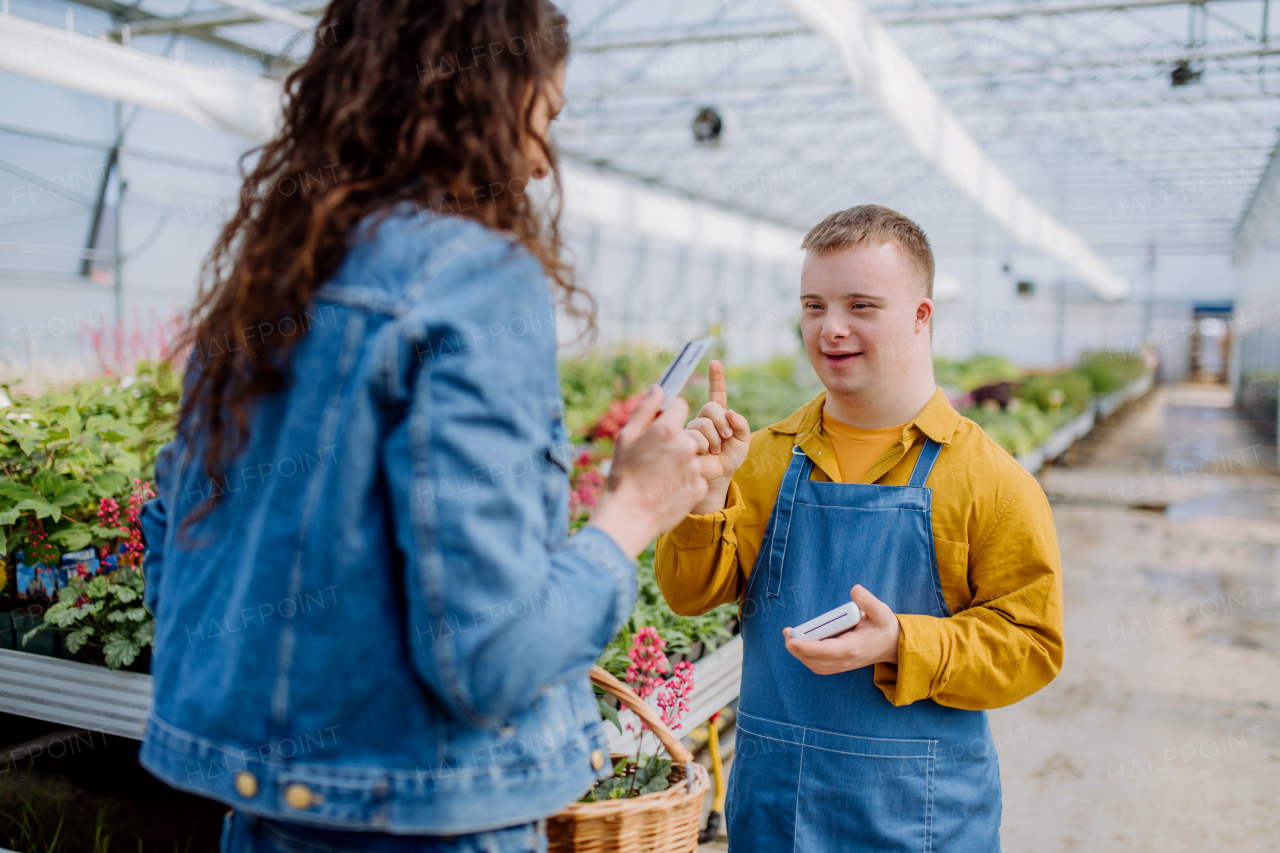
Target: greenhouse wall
point(1256, 374)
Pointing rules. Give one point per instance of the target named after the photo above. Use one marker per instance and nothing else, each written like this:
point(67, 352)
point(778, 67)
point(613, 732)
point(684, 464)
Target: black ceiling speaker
point(1182, 74)
point(707, 126)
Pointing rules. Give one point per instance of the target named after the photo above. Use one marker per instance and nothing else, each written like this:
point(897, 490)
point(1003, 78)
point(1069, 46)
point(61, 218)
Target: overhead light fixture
point(1183, 73)
point(707, 126)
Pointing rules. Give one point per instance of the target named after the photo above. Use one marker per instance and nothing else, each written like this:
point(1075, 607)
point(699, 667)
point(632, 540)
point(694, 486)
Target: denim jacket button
point(597, 759)
point(246, 784)
point(298, 796)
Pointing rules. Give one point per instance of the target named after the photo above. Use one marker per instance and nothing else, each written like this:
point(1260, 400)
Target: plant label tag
point(829, 624)
point(681, 368)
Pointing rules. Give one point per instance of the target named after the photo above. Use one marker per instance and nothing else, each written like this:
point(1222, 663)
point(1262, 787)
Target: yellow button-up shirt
point(993, 534)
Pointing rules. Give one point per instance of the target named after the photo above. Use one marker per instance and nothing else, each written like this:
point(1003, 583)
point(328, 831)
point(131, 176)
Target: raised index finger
point(719, 392)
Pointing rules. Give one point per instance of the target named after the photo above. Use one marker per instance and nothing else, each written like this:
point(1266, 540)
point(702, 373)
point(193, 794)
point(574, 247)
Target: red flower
point(139, 495)
point(40, 549)
point(613, 420)
point(108, 512)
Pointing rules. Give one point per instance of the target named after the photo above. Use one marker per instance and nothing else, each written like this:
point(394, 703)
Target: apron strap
point(797, 470)
point(924, 462)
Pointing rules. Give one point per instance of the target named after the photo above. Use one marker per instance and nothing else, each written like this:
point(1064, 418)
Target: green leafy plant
point(590, 384)
point(106, 611)
point(975, 372)
point(75, 465)
point(682, 633)
point(633, 777)
point(1017, 431)
point(1074, 387)
point(1109, 371)
point(63, 452)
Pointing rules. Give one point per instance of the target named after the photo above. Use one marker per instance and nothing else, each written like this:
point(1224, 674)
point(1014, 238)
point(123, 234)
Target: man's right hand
point(723, 438)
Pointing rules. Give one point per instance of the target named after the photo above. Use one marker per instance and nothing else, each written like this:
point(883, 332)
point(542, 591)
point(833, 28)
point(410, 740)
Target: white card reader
point(829, 624)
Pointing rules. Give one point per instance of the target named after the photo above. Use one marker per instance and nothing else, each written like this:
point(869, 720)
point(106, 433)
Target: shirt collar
point(937, 419)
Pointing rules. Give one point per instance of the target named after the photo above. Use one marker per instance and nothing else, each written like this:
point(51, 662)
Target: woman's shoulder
point(405, 261)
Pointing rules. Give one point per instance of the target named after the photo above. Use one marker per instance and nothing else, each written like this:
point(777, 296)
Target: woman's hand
point(655, 478)
point(723, 438)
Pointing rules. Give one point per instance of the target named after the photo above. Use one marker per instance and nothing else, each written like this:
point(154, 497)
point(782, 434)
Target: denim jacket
point(384, 625)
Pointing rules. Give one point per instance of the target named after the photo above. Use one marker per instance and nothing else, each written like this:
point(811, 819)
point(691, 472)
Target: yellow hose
point(717, 765)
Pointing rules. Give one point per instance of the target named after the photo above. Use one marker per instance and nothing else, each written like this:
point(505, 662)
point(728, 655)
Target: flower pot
point(7, 638)
point(47, 643)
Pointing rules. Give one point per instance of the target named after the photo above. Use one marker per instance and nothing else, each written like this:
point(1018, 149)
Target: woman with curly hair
point(373, 629)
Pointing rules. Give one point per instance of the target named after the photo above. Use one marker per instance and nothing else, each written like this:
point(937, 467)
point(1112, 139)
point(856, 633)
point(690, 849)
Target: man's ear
point(924, 313)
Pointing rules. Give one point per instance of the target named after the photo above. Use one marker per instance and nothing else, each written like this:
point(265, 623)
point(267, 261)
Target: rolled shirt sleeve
point(1008, 642)
point(697, 563)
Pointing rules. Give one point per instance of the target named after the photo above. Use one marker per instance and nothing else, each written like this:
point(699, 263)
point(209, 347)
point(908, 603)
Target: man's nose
point(833, 331)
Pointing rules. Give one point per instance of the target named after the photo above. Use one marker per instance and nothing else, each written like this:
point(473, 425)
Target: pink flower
point(586, 486)
point(648, 663)
point(673, 697)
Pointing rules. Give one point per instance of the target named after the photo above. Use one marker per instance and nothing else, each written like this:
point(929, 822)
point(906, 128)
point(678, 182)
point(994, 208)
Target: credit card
point(681, 368)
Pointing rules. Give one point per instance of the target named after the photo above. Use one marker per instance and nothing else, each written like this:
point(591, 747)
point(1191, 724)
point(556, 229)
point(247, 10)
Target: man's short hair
point(871, 224)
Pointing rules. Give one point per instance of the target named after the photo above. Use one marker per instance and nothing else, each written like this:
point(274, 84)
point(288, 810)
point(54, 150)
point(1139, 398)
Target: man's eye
point(858, 306)
point(814, 306)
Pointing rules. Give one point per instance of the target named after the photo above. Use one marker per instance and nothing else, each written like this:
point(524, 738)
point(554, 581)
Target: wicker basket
point(665, 822)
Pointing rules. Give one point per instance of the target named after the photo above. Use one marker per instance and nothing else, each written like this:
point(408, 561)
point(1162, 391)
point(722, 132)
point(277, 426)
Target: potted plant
point(73, 477)
point(104, 619)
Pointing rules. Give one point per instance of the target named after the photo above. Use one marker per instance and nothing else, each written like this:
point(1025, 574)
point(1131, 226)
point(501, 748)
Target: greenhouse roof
point(1075, 100)
point(1082, 129)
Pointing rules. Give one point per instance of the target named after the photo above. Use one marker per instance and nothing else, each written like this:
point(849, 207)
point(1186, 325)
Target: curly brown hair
point(420, 101)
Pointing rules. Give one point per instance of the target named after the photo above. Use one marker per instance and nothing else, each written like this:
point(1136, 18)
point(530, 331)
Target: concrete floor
point(1162, 732)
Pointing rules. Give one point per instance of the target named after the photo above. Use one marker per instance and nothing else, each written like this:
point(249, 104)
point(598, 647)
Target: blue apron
point(825, 762)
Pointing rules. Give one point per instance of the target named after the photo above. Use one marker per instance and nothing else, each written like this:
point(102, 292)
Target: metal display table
point(1102, 406)
point(74, 694)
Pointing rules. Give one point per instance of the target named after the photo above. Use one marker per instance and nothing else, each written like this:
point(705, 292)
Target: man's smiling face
point(861, 317)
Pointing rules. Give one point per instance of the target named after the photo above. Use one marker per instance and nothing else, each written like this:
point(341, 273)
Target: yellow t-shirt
point(858, 449)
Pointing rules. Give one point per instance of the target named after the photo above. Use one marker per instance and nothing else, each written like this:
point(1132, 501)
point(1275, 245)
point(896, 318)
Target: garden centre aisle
point(1162, 732)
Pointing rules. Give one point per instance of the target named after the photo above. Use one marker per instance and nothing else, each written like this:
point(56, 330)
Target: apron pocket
point(766, 769)
point(864, 793)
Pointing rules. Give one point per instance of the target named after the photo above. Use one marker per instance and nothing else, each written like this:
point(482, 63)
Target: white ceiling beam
point(649, 37)
point(880, 68)
point(245, 105)
point(271, 12)
point(1007, 11)
point(206, 20)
